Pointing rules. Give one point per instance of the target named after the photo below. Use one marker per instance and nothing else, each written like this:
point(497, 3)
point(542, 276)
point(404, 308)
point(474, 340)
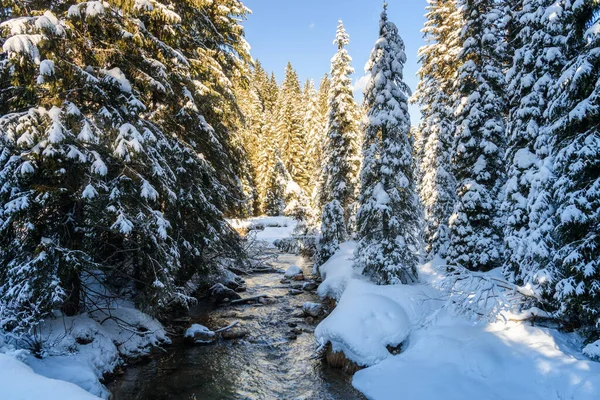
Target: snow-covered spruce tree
point(439, 62)
point(338, 182)
point(102, 189)
point(475, 241)
point(537, 62)
point(389, 212)
point(274, 202)
point(314, 126)
point(290, 128)
point(576, 132)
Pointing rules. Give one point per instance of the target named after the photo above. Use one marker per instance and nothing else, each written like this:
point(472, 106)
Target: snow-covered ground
point(76, 352)
point(444, 355)
point(267, 229)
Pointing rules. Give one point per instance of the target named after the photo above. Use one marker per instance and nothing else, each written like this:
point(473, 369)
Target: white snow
point(442, 352)
point(338, 271)
point(119, 77)
point(199, 329)
point(275, 228)
point(19, 381)
point(376, 322)
point(89, 192)
point(592, 350)
point(76, 353)
point(292, 271)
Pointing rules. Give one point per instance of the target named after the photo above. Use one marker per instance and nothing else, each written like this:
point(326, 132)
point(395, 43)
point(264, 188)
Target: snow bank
point(292, 271)
point(592, 350)
point(338, 271)
point(362, 326)
point(268, 229)
point(369, 317)
point(445, 355)
point(19, 381)
point(80, 350)
point(486, 361)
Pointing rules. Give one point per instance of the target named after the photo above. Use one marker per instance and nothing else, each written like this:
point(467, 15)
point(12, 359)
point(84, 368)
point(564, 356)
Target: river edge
point(275, 360)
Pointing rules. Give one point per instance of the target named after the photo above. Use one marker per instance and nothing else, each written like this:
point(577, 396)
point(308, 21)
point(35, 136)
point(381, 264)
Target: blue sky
point(302, 31)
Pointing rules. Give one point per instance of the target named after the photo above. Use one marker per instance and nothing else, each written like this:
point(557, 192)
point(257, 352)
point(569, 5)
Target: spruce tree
point(575, 127)
point(290, 128)
point(115, 121)
point(537, 62)
point(388, 217)
point(314, 126)
point(437, 184)
point(475, 241)
point(338, 182)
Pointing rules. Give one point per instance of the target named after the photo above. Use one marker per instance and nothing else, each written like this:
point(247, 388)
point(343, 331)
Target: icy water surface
point(267, 364)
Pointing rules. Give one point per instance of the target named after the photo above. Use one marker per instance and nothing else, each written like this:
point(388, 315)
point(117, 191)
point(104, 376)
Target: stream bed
point(271, 362)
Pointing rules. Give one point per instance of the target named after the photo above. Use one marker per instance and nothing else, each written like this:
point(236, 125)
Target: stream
point(271, 362)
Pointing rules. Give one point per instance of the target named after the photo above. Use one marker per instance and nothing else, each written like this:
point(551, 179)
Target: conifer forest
point(178, 221)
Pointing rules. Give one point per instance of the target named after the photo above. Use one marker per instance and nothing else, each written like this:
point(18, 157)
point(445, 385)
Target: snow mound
point(292, 271)
point(363, 326)
point(592, 350)
point(19, 381)
point(200, 333)
point(496, 361)
point(338, 271)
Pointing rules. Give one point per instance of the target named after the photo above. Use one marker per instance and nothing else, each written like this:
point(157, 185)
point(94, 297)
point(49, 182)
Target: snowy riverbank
point(443, 352)
point(75, 353)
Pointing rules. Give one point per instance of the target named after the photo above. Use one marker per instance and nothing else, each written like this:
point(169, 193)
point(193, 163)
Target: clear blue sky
point(302, 32)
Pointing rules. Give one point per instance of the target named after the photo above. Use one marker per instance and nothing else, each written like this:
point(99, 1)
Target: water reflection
point(267, 364)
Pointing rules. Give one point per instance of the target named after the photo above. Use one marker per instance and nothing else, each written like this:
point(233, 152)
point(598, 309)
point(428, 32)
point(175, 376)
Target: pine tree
point(290, 128)
point(537, 62)
point(338, 183)
point(314, 126)
point(437, 184)
point(276, 187)
point(388, 217)
point(109, 166)
point(324, 87)
point(576, 131)
point(479, 146)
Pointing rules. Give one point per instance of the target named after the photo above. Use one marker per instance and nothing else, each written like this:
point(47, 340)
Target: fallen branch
point(234, 323)
point(249, 299)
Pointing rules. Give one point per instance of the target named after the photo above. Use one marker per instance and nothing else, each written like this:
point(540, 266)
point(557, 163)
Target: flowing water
point(267, 364)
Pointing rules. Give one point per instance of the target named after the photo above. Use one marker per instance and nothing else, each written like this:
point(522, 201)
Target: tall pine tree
point(475, 241)
point(338, 183)
point(388, 217)
point(537, 62)
point(437, 186)
point(575, 128)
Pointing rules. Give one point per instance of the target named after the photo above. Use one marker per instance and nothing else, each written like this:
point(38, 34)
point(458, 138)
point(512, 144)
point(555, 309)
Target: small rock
point(181, 320)
point(199, 334)
point(234, 334)
point(222, 294)
point(309, 320)
point(292, 271)
point(297, 285)
point(297, 331)
point(284, 281)
point(295, 292)
point(309, 286)
point(292, 324)
point(298, 315)
point(312, 309)
point(292, 337)
point(299, 277)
